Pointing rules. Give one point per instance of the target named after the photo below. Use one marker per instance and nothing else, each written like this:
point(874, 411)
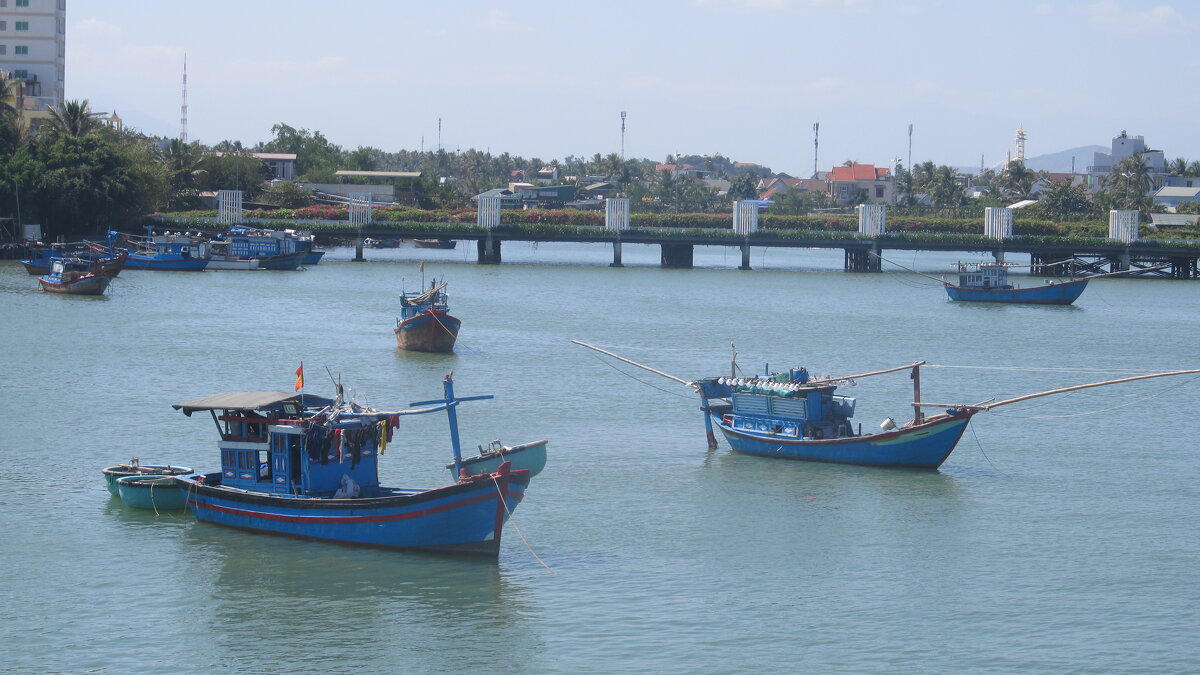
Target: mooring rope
point(1044, 370)
point(635, 379)
point(982, 452)
point(520, 534)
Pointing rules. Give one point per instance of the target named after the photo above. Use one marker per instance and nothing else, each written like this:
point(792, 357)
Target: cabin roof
point(250, 400)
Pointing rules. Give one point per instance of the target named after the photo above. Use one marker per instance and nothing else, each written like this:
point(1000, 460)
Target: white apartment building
point(33, 48)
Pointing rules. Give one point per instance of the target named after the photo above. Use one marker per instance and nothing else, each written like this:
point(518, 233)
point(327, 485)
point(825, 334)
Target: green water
point(1051, 540)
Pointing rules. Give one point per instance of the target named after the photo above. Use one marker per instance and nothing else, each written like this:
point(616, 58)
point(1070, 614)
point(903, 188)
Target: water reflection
point(335, 605)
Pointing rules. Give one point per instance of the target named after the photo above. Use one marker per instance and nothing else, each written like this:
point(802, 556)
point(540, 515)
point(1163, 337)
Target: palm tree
point(74, 118)
point(1128, 185)
point(182, 161)
point(1177, 167)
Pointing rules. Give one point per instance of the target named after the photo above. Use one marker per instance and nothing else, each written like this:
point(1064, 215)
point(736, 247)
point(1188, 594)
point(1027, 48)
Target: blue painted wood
point(425, 324)
point(308, 467)
point(160, 493)
point(790, 417)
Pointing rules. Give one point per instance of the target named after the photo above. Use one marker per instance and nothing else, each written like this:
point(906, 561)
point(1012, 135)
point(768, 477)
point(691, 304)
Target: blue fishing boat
point(793, 415)
point(42, 259)
point(435, 243)
point(158, 493)
point(251, 248)
point(136, 468)
point(988, 282)
point(425, 324)
point(304, 466)
point(170, 252)
point(74, 276)
point(306, 242)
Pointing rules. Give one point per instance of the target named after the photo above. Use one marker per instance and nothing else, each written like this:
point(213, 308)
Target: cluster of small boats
point(87, 268)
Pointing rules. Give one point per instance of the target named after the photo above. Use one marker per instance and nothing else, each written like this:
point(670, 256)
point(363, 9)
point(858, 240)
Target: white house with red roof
point(844, 182)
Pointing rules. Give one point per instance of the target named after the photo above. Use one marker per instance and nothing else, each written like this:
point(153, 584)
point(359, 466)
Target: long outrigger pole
point(1063, 390)
point(633, 363)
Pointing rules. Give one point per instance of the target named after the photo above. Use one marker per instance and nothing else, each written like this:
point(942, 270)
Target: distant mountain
point(1060, 162)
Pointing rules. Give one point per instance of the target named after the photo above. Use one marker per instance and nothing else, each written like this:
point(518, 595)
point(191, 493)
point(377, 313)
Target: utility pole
point(439, 134)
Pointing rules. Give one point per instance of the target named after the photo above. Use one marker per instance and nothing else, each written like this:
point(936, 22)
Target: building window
point(3, 49)
point(22, 3)
point(21, 49)
point(879, 192)
point(21, 74)
point(21, 25)
point(3, 25)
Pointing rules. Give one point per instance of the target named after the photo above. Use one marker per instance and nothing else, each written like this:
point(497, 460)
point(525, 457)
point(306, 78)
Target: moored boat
point(73, 277)
point(435, 243)
point(159, 493)
point(166, 252)
point(528, 456)
point(792, 415)
point(135, 468)
point(425, 324)
point(304, 466)
point(988, 282)
point(42, 260)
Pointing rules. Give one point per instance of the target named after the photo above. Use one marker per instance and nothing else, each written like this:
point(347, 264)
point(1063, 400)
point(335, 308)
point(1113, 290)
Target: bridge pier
point(677, 255)
point(745, 256)
point(616, 254)
point(358, 250)
point(489, 251)
point(1184, 268)
point(863, 259)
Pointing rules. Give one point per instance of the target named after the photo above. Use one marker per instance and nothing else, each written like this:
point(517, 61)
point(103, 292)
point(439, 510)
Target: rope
point(635, 379)
point(981, 451)
point(521, 534)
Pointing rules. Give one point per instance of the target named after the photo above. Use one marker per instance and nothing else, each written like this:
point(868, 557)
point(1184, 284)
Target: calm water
point(1060, 536)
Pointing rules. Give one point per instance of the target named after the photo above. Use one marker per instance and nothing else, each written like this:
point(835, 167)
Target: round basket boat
point(160, 493)
point(112, 473)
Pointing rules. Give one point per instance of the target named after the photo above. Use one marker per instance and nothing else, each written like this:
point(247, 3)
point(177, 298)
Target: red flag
point(300, 377)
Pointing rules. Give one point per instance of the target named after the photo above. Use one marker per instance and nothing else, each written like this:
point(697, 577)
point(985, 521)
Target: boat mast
point(916, 378)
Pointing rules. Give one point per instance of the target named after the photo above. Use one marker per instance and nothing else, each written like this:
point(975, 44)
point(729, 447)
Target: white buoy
point(888, 424)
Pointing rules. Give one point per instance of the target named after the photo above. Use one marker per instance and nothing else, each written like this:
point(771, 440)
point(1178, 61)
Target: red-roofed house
point(845, 181)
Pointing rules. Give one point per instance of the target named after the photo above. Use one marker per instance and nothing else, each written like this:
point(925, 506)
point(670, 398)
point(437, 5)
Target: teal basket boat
point(160, 493)
point(112, 473)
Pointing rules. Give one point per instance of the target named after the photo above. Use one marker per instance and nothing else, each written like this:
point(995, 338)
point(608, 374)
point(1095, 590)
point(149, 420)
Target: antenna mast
point(183, 106)
point(1020, 145)
point(622, 135)
point(816, 143)
point(910, 147)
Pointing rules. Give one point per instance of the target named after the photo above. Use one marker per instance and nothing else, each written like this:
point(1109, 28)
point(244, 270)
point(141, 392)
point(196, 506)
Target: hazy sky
point(743, 78)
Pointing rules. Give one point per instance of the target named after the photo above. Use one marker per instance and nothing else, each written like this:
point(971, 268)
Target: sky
point(746, 79)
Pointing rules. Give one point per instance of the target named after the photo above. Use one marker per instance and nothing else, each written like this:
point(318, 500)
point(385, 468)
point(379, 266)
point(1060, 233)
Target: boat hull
point(430, 331)
point(112, 473)
point(435, 243)
point(109, 267)
point(529, 456)
point(1049, 294)
point(160, 493)
point(923, 446)
point(138, 261)
point(88, 284)
point(312, 257)
point(465, 518)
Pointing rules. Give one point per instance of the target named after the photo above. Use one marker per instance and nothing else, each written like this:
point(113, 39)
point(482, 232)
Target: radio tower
point(183, 106)
point(1020, 145)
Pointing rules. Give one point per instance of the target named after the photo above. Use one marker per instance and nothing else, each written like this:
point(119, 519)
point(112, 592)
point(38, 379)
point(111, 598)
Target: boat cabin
point(245, 242)
point(983, 275)
point(293, 445)
point(786, 405)
point(414, 304)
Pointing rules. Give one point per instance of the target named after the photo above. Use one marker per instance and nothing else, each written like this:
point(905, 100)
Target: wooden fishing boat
point(528, 456)
point(43, 259)
point(268, 249)
point(135, 468)
point(435, 243)
point(73, 277)
point(166, 252)
point(299, 465)
point(792, 415)
point(381, 243)
point(988, 282)
point(425, 324)
point(158, 493)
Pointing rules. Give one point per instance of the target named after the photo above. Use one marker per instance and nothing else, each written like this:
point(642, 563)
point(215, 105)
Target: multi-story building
point(33, 50)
